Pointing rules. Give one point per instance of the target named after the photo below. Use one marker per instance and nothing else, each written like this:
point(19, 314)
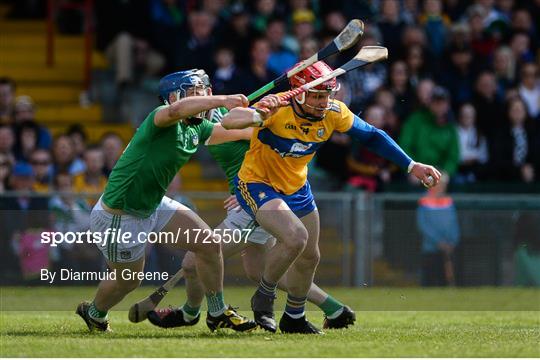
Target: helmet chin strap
point(300, 111)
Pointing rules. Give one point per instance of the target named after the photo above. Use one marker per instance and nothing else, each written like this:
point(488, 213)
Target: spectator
point(362, 84)
point(303, 28)
point(439, 228)
point(25, 111)
point(308, 48)
point(386, 99)
point(458, 77)
point(424, 92)
point(520, 45)
point(27, 138)
point(5, 171)
point(226, 79)
point(258, 74)
point(334, 22)
point(64, 156)
point(504, 66)
point(488, 107)
point(72, 214)
point(515, 148)
point(168, 26)
point(280, 59)
point(366, 169)
point(264, 11)
point(472, 146)
point(414, 59)
point(28, 217)
point(483, 45)
point(199, 48)
point(77, 133)
point(92, 179)
point(41, 163)
point(529, 89)
point(7, 99)
point(399, 86)
point(112, 146)
point(238, 34)
point(122, 35)
point(7, 140)
point(428, 136)
point(435, 25)
point(390, 25)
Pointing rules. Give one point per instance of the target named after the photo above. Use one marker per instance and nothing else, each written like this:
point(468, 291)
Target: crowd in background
point(460, 90)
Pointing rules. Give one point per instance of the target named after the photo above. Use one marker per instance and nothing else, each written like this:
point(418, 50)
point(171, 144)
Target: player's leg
point(336, 314)
point(120, 256)
point(188, 314)
point(299, 280)
point(208, 262)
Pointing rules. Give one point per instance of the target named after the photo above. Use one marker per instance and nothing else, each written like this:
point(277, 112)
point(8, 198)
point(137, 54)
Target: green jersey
point(154, 155)
point(228, 155)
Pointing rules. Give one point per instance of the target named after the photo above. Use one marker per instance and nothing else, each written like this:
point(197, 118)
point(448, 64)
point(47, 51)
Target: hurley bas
point(126, 274)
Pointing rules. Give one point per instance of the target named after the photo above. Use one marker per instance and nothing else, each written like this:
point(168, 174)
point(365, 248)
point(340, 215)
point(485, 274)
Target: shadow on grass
point(166, 334)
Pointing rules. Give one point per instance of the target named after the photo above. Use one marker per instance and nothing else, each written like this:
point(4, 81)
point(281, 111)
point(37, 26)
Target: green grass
point(408, 322)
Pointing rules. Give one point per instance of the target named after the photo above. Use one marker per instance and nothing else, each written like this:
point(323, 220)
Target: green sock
point(97, 314)
point(330, 306)
point(190, 313)
point(216, 304)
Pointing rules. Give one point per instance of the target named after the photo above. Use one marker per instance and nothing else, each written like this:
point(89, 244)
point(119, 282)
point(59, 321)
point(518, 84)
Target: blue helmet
point(181, 81)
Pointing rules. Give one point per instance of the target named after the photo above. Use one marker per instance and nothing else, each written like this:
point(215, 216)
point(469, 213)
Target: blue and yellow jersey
point(282, 148)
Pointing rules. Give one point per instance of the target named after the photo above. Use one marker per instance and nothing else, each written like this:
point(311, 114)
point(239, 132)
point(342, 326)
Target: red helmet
point(313, 72)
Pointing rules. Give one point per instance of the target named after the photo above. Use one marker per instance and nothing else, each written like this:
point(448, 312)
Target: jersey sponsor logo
point(290, 126)
point(299, 147)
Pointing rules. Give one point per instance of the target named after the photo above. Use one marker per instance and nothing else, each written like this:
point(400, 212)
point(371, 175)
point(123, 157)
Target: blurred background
point(460, 90)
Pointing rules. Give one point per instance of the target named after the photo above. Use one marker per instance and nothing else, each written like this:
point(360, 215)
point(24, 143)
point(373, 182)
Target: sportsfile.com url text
point(117, 236)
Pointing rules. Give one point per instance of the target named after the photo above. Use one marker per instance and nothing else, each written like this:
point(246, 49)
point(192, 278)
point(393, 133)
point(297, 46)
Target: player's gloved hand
point(427, 174)
point(237, 100)
point(269, 104)
point(231, 203)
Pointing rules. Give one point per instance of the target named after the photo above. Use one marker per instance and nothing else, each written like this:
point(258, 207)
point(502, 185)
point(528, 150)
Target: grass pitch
point(408, 322)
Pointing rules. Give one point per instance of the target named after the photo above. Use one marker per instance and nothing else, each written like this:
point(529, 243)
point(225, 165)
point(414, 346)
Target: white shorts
point(242, 220)
point(123, 250)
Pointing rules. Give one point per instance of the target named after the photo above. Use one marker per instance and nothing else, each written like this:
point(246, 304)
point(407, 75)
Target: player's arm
point(221, 135)
point(380, 143)
point(192, 105)
point(241, 118)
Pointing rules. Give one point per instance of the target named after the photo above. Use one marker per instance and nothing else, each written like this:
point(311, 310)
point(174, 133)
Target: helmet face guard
point(194, 82)
point(301, 101)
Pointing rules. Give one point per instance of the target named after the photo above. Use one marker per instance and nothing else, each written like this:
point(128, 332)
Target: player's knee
point(210, 249)
point(188, 264)
point(309, 260)
point(296, 239)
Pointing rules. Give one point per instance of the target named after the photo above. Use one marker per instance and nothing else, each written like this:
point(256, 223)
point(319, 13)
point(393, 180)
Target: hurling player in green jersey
point(229, 156)
point(134, 201)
